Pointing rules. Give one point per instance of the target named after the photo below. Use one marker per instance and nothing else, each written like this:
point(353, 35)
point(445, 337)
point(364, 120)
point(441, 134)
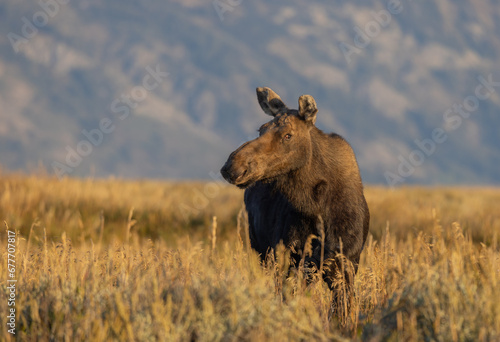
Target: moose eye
point(287, 137)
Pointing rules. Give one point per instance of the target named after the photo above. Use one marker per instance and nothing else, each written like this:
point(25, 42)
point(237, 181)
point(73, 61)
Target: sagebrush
point(134, 260)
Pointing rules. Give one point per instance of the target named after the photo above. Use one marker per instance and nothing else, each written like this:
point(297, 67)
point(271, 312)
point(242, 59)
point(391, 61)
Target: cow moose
point(296, 177)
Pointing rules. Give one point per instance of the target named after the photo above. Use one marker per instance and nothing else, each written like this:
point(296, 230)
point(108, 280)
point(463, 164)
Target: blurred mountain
point(167, 89)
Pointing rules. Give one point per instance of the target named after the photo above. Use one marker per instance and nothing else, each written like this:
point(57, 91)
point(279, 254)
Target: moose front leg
point(338, 273)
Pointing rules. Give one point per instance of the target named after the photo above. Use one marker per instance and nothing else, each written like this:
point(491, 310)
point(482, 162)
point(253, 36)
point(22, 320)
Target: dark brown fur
point(293, 174)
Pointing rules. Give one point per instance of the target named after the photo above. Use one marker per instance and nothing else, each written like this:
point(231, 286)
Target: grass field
point(144, 260)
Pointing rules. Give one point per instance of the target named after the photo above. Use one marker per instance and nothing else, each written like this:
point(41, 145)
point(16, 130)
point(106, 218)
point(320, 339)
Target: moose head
point(284, 143)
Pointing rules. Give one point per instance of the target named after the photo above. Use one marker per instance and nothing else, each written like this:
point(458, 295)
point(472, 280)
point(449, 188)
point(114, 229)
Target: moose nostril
point(225, 170)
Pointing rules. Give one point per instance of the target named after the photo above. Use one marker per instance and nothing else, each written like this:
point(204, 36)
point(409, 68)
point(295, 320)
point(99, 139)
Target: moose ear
point(307, 108)
point(270, 102)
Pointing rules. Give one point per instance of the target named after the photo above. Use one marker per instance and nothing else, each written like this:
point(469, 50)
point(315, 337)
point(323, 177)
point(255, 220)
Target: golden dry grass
point(134, 260)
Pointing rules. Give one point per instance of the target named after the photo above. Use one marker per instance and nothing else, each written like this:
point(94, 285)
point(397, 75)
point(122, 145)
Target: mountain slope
point(384, 75)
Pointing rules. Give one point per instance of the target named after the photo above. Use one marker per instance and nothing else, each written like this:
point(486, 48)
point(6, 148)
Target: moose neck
point(305, 187)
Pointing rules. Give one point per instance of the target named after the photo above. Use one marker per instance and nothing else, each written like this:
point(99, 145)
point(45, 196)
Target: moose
point(300, 180)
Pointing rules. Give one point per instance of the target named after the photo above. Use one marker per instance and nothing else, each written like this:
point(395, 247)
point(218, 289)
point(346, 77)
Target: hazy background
point(395, 88)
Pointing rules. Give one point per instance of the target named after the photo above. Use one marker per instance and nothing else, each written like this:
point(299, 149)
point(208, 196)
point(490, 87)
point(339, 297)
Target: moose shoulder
point(294, 175)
